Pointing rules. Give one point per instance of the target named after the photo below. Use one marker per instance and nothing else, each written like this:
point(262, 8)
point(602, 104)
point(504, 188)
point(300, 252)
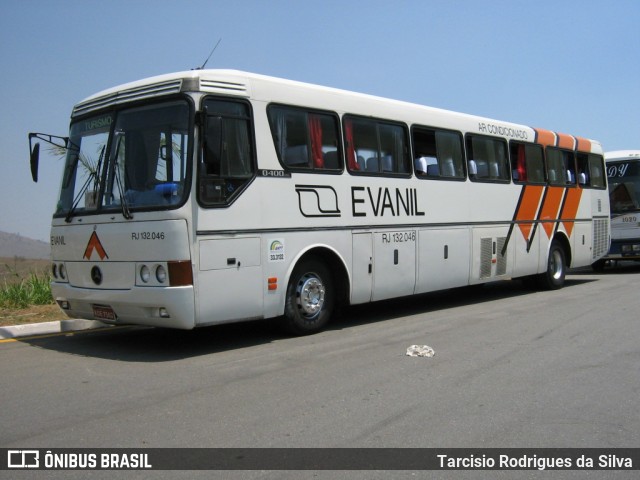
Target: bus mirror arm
point(59, 143)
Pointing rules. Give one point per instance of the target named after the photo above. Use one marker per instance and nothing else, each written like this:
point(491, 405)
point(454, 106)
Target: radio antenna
point(205, 62)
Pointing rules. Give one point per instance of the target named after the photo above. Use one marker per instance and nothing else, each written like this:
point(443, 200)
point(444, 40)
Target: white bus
point(214, 196)
point(623, 170)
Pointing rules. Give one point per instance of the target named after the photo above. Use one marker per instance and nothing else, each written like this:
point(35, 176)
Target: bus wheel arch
point(562, 239)
point(558, 261)
point(316, 285)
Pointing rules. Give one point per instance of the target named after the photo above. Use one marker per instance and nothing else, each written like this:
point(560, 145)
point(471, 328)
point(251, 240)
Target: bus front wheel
point(553, 278)
point(309, 300)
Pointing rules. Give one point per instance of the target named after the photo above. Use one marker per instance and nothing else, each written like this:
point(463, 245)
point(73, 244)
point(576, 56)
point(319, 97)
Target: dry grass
point(14, 269)
point(32, 314)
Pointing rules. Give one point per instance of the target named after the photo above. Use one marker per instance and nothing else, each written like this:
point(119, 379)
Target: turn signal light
point(180, 273)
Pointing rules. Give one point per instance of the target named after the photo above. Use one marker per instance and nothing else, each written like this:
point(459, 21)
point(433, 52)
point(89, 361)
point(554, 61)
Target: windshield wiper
point(126, 212)
point(93, 176)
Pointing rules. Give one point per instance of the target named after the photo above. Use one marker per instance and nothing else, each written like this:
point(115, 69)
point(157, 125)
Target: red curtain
point(315, 130)
point(522, 166)
point(351, 151)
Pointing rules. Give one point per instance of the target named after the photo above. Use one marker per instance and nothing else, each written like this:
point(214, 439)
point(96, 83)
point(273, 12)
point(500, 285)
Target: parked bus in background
point(623, 170)
point(213, 196)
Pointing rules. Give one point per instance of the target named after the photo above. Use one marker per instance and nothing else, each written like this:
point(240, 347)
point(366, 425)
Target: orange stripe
point(565, 141)
point(550, 208)
point(545, 137)
point(570, 209)
point(528, 208)
point(584, 145)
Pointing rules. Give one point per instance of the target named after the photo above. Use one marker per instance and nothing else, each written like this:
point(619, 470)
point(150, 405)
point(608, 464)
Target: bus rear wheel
point(553, 278)
point(310, 299)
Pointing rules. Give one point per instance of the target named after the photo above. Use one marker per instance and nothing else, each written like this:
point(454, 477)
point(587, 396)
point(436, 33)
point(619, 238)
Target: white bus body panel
point(118, 250)
point(230, 280)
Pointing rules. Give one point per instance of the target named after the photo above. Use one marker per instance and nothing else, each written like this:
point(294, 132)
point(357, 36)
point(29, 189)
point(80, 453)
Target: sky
point(571, 66)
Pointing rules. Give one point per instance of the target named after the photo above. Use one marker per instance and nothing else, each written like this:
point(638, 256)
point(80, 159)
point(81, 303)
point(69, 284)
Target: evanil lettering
point(380, 202)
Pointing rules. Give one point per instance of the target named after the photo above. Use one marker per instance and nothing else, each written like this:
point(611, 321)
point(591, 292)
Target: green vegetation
point(18, 292)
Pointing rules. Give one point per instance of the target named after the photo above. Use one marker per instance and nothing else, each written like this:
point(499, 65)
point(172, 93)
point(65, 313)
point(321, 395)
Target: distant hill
point(14, 245)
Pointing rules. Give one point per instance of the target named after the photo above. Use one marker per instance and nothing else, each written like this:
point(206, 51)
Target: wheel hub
point(310, 295)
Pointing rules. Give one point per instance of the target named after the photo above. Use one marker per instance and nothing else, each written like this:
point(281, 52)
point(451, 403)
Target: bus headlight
point(59, 272)
point(145, 274)
point(161, 274)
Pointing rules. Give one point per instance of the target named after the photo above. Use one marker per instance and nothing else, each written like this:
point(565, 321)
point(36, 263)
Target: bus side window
point(438, 154)
point(582, 160)
point(376, 146)
point(527, 163)
point(305, 140)
point(597, 171)
point(591, 170)
point(228, 163)
point(490, 157)
point(561, 167)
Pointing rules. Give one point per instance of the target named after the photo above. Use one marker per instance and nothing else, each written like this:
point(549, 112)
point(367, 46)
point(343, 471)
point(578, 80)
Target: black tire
point(309, 300)
point(553, 278)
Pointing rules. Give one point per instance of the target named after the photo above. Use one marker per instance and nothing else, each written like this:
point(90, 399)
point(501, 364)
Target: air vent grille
point(501, 267)
point(486, 255)
point(218, 86)
point(132, 94)
point(600, 237)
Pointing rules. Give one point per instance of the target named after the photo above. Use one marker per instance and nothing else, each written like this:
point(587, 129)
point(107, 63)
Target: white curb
point(45, 328)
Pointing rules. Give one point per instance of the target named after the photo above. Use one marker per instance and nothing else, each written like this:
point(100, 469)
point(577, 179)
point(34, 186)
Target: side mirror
point(35, 160)
point(55, 140)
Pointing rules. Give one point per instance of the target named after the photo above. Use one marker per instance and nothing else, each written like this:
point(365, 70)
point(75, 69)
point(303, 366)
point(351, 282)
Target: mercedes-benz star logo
point(96, 275)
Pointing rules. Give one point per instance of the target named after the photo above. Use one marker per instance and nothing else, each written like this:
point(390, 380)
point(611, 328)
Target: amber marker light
point(180, 273)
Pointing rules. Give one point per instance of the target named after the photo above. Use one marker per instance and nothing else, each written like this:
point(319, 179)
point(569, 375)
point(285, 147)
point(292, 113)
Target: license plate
point(104, 312)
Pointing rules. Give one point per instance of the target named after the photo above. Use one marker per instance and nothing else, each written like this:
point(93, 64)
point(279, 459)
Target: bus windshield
point(135, 158)
point(624, 186)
